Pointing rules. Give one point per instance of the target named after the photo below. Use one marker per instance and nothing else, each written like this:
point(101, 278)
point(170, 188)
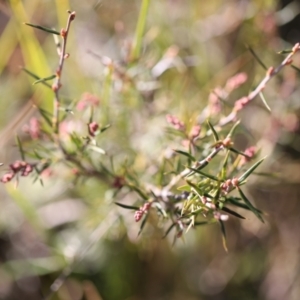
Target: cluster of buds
point(18, 166)
point(175, 122)
point(229, 185)
point(144, 209)
point(235, 82)
point(33, 128)
point(93, 128)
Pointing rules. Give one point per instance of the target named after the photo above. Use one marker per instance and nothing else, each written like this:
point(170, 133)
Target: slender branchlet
point(57, 82)
point(271, 72)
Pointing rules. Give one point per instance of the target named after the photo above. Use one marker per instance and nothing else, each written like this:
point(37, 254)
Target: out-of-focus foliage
point(185, 58)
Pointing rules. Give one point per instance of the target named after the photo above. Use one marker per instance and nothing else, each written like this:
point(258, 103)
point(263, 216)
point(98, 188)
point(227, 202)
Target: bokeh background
point(189, 49)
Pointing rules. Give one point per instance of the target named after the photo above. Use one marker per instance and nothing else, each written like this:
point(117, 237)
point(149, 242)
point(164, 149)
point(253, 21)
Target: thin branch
point(57, 82)
point(187, 172)
point(271, 72)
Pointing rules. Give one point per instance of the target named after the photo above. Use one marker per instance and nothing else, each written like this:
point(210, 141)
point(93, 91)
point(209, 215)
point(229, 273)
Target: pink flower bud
point(138, 215)
point(93, 127)
point(195, 131)
point(235, 81)
point(7, 177)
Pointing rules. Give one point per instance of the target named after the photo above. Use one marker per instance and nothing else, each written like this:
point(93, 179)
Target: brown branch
point(57, 82)
point(241, 103)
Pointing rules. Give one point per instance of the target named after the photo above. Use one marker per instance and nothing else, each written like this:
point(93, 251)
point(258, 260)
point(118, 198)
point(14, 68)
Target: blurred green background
point(43, 228)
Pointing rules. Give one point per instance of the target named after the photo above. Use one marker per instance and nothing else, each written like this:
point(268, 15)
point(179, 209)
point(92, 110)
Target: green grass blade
point(139, 32)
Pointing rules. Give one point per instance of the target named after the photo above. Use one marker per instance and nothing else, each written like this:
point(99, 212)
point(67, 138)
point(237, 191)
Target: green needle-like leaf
point(127, 206)
point(202, 223)
point(143, 223)
point(229, 211)
point(44, 79)
point(169, 230)
point(256, 57)
point(215, 134)
point(102, 129)
point(136, 189)
point(224, 167)
point(205, 174)
point(96, 149)
point(232, 130)
point(188, 155)
point(264, 101)
point(43, 28)
point(250, 170)
point(223, 235)
point(238, 152)
point(251, 207)
point(287, 51)
point(36, 77)
point(19, 144)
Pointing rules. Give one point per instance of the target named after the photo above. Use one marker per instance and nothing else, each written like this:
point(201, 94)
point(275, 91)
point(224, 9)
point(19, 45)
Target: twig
point(186, 172)
point(57, 82)
point(271, 72)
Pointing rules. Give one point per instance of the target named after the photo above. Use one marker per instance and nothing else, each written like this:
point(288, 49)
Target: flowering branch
point(57, 83)
point(188, 171)
point(271, 72)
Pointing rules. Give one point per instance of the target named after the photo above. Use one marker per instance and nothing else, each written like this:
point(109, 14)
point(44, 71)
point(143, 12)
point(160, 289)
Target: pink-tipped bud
point(27, 170)
point(146, 207)
point(240, 104)
point(72, 15)
point(86, 100)
point(195, 131)
point(235, 81)
point(235, 182)
point(138, 215)
point(7, 177)
point(250, 152)
point(289, 61)
point(270, 71)
point(227, 142)
point(33, 129)
point(175, 122)
point(63, 33)
point(93, 128)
